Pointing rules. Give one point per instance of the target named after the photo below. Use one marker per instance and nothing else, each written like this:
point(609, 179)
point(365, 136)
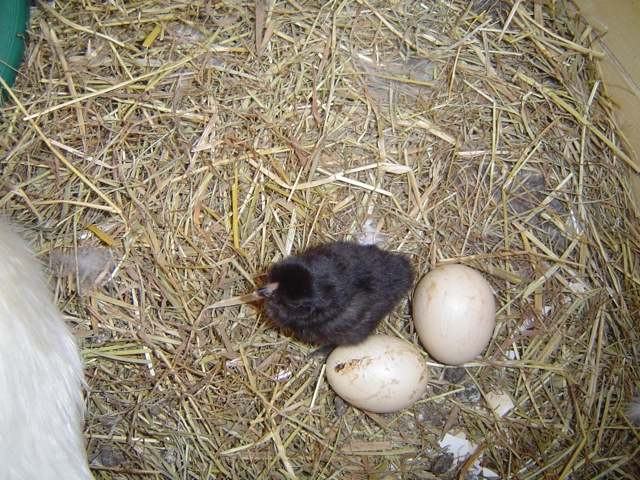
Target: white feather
point(370, 235)
point(633, 410)
point(41, 404)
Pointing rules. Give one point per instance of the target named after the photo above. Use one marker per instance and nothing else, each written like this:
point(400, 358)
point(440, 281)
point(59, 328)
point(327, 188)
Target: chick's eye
point(328, 289)
point(294, 302)
point(294, 293)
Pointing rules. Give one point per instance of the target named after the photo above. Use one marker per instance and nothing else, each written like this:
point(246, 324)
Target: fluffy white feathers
point(633, 410)
point(41, 405)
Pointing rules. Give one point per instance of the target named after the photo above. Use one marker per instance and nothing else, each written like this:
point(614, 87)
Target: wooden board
point(618, 24)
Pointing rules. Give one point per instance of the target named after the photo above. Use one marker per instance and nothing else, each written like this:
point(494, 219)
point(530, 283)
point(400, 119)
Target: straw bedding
point(163, 154)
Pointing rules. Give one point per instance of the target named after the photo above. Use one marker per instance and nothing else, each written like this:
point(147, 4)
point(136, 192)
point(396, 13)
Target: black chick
point(336, 293)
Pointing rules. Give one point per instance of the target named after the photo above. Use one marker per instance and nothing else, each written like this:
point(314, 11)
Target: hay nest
point(166, 152)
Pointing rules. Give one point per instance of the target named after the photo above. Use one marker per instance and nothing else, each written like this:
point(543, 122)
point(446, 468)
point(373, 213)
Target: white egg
point(454, 312)
point(382, 374)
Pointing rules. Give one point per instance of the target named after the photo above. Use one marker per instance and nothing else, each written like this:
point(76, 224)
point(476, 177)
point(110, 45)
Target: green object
point(14, 19)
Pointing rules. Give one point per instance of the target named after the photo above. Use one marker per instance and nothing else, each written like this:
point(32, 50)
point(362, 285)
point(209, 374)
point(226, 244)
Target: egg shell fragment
point(382, 374)
point(454, 313)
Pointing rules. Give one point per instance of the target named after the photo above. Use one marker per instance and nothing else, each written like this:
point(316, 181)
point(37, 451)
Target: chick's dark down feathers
point(336, 293)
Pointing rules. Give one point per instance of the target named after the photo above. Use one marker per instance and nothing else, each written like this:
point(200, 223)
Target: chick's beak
point(267, 290)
